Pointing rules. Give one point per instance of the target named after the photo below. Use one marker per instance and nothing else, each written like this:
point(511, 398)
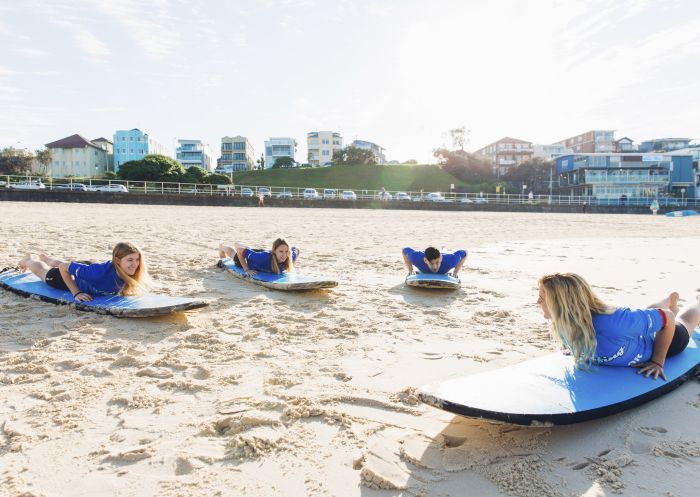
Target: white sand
point(267, 393)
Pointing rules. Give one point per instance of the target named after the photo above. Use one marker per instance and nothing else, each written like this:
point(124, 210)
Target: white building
point(279, 147)
point(237, 154)
point(194, 153)
point(76, 156)
point(549, 152)
point(322, 145)
point(378, 151)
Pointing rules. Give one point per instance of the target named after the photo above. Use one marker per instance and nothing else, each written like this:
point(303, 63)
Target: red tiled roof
point(73, 141)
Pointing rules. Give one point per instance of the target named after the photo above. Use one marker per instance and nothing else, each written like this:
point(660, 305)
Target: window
point(123, 138)
point(131, 138)
point(325, 141)
point(325, 152)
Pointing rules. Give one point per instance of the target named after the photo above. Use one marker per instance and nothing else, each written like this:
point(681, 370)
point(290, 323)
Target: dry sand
point(268, 393)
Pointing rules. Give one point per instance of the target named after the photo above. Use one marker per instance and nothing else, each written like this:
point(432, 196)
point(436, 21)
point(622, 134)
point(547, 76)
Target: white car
point(310, 193)
point(28, 185)
point(330, 193)
point(434, 197)
point(402, 196)
point(466, 200)
point(114, 188)
point(265, 192)
point(246, 192)
point(285, 194)
point(384, 195)
point(71, 186)
point(348, 195)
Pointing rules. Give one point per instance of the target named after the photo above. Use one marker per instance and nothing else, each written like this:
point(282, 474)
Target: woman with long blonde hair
point(598, 333)
point(124, 274)
point(280, 259)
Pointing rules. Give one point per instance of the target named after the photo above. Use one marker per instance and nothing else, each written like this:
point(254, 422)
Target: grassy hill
point(409, 178)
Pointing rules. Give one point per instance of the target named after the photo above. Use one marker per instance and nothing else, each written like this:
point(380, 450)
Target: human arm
point(240, 251)
point(296, 253)
point(71, 284)
point(407, 262)
point(459, 265)
point(662, 341)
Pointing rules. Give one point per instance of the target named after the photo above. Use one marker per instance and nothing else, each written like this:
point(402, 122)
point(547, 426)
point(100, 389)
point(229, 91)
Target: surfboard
point(293, 281)
point(551, 390)
point(427, 280)
point(30, 285)
point(682, 213)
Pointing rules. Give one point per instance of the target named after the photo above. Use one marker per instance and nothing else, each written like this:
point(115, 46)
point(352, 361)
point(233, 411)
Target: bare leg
point(50, 261)
point(226, 251)
point(34, 265)
point(670, 303)
point(690, 317)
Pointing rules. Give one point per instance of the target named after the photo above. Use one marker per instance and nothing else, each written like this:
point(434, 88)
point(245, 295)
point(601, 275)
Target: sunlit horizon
point(400, 74)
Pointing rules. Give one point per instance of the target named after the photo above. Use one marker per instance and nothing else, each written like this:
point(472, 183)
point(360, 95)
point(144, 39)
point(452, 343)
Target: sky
point(400, 73)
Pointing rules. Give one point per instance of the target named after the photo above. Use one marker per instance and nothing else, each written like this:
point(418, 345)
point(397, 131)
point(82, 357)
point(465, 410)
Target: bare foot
point(49, 261)
point(673, 302)
point(22, 264)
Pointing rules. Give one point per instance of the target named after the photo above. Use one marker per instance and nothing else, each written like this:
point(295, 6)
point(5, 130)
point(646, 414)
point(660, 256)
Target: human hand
point(651, 368)
point(82, 297)
point(250, 272)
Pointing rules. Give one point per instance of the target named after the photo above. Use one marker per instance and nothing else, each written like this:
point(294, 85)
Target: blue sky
point(396, 72)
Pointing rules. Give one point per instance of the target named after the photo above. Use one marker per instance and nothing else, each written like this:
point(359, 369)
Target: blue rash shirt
point(262, 261)
point(96, 279)
point(626, 337)
point(449, 261)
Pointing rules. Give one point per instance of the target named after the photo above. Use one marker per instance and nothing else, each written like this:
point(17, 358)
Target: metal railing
point(329, 194)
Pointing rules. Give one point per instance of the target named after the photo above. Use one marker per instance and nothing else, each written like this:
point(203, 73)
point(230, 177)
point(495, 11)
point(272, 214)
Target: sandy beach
point(266, 393)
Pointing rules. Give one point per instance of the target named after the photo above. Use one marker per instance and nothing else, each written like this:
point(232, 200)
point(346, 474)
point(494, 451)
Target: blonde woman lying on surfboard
point(598, 333)
point(280, 259)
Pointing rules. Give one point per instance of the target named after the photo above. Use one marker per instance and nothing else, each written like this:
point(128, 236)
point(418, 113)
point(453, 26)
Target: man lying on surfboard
point(432, 261)
point(278, 260)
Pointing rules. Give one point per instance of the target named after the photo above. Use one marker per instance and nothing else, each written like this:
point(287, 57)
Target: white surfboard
point(550, 389)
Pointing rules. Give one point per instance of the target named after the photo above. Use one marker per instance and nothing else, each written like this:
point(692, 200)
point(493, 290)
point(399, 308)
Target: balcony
point(593, 177)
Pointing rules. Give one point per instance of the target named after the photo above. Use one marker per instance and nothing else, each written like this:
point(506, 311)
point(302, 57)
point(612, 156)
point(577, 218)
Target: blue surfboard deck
point(426, 280)
point(682, 213)
point(29, 285)
point(551, 390)
point(292, 281)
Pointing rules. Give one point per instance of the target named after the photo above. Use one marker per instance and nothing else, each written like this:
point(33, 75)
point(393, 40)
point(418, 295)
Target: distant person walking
point(654, 207)
point(261, 199)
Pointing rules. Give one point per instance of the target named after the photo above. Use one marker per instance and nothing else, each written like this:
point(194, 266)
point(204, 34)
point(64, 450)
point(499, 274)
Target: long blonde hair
point(133, 285)
point(287, 265)
point(571, 303)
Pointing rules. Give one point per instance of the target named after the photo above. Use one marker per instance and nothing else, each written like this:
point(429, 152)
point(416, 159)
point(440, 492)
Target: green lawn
point(393, 178)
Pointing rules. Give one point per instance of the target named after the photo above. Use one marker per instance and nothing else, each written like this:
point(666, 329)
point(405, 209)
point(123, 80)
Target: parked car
point(330, 193)
point(28, 185)
point(402, 196)
point(310, 193)
point(434, 197)
point(265, 192)
point(246, 192)
point(113, 188)
point(384, 195)
point(229, 190)
point(285, 194)
point(481, 200)
point(72, 186)
point(348, 195)
point(466, 200)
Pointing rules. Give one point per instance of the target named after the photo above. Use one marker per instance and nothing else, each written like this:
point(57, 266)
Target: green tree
point(110, 175)
point(152, 168)
point(13, 161)
point(354, 156)
point(468, 167)
point(44, 158)
point(283, 162)
point(217, 179)
point(194, 174)
point(534, 173)
point(411, 162)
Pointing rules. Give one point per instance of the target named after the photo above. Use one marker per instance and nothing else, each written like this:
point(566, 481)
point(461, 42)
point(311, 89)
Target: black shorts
point(54, 279)
point(680, 341)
